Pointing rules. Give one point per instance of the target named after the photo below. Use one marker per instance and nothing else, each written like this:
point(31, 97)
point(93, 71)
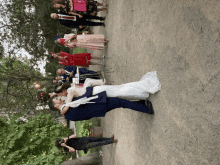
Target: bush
point(86, 124)
point(32, 142)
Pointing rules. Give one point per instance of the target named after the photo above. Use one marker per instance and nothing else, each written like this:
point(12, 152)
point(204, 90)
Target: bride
point(138, 90)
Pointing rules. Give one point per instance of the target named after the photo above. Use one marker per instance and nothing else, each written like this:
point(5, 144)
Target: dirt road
point(180, 39)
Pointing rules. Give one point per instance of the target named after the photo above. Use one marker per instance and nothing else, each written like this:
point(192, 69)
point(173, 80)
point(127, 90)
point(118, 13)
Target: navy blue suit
point(102, 105)
point(83, 72)
point(64, 78)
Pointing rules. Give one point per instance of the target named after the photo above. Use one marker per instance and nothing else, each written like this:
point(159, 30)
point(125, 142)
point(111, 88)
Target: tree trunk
point(91, 159)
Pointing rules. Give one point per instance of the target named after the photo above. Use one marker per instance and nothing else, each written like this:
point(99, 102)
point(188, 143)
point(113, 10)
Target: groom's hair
point(51, 104)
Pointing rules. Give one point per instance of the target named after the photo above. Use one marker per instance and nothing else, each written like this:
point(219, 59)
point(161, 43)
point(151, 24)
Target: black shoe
point(142, 102)
point(103, 24)
point(85, 151)
point(149, 104)
point(102, 18)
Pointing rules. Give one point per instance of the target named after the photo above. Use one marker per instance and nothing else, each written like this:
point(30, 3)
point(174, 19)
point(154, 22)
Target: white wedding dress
point(138, 90)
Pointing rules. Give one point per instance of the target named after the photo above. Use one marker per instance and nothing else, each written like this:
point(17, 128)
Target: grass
point(95, 121)
point(79, 129)
point(79, 50)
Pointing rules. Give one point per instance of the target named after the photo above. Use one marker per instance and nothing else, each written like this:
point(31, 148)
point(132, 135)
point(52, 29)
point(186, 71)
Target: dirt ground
point(180, 39)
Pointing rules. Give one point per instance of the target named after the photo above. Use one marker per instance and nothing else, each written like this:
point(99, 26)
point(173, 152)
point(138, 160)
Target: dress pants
point(92, 142)
point(83, 22)
point(115, 102)
point(93, 17)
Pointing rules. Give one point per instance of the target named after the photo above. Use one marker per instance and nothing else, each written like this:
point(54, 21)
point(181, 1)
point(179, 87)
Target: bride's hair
point(61, 87)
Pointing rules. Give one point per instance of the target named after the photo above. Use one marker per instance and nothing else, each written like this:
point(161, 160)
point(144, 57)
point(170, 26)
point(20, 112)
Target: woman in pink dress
point(81, 59)
point(90, 41)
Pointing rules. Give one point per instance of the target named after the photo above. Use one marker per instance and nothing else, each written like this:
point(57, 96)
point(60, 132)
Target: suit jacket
point(90, 110)
point(69, 23)
point(73, 24)
point(64, 76)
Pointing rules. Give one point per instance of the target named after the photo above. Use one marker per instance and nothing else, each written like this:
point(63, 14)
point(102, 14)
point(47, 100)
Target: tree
point(16, 86)
point(27, 24)
point(1, 51)
point(91, 159)
point(32, 142)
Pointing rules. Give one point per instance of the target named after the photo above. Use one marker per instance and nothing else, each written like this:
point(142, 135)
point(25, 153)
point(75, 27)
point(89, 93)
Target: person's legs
point(94, 57)
point(103, 9)
point(101, 4)
point(93, 63)
point(114, 102)
point(90, 23)
point(95, 139)
point(94, 17)
point(99, 142)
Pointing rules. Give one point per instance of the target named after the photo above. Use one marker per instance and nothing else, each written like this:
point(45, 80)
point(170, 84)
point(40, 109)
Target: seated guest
point(72, 143)
point(84, 73)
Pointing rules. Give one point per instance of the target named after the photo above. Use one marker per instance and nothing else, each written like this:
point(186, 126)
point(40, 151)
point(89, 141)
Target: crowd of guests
point(90, 97)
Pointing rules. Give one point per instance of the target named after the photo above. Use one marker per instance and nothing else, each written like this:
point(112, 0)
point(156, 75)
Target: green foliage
point(22, 69)
point(16, 85)
point(32, 142)
point(86, 125)
point(30, 25)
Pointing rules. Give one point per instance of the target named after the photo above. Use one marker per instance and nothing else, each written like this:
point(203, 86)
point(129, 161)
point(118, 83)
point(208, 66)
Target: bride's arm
point(70, 96)
point(92, 82)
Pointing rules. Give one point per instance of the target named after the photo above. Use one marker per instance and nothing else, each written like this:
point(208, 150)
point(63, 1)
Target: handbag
point(80, 5)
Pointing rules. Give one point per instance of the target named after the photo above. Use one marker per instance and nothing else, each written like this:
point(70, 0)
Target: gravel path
point(180, 39)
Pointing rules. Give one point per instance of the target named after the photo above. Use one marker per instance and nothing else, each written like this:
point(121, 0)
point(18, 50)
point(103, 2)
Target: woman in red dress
point(81, 59)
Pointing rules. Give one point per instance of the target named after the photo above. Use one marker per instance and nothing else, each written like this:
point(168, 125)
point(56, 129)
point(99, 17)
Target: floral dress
point(90, 41)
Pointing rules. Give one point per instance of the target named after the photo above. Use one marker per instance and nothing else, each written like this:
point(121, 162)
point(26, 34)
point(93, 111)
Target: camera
point(62, 141)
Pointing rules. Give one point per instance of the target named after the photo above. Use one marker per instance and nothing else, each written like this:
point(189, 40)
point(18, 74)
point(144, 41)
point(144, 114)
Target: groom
point(97, 107)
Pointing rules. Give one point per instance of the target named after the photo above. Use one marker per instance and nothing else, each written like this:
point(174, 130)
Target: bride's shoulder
point(73, 87)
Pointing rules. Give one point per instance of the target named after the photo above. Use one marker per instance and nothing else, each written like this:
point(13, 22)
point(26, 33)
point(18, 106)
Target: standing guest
point(69, 7)
point(73, 21)
point(80, 59)
point(90, 41)
point(71, 143)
